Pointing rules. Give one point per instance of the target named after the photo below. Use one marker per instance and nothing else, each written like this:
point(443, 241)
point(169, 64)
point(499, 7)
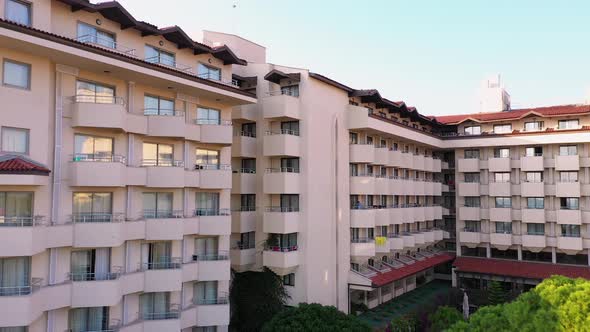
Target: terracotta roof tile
point(519, 269)
point(406, 271)
point(15, 164)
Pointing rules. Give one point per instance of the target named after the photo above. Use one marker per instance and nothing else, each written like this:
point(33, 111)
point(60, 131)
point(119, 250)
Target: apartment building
point(115, 178)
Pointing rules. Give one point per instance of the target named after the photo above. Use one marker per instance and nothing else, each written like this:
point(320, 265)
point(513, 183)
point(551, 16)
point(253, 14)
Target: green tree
point(406, 323)
point(255, 297)
point(443, 318)
point(314, 317)
point(556, 304)
point(496, 293)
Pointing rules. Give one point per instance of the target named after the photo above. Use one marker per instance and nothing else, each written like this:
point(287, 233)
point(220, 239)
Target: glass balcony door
point(157, 255)
point(207, 204)
point(15, 276)
point(93, 207)
point(91, 92)
point(206, 248)
point(88, 319)
point(92, 264)
point(205, 292)
point(93, 148)
point(157, 205)
point(155, 305)
point(16, 209)
point(158, 154)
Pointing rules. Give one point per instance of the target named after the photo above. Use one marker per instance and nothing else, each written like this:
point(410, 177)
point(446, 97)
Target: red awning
point(406, 271)
point(16, 164)
point(518, 269)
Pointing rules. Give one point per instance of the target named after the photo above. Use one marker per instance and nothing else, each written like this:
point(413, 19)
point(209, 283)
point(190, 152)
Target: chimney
point(493, 96)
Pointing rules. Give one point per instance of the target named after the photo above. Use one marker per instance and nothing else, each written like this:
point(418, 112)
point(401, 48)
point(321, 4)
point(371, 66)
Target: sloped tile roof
point(406, 271)
point(16, 164)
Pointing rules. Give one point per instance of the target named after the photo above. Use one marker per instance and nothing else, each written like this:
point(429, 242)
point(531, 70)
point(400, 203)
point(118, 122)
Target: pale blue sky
point(431, 54)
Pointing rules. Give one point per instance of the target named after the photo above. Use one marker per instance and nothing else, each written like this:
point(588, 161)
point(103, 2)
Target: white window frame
point(14, 62)
point(27, 143)
point(503, 128)
point(28, 4)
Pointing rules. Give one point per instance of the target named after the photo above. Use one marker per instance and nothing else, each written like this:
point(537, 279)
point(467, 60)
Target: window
point(535, 203)
point(203, 329)
point(570, 230)
point(14, 329)
point(289, 203)
point(536, 151)
point(18, 11)
point(472, 130)
point(92, 148)
point(248, 202)
point(353, 138)
point(503, 227)
point(290, 128)
point(155, 154)
point(471, 154)
point(208, 72)
point(282, 242)
point(290, 165)
point(472, 201)
point(354, 169)
point(89, 34)
point(248, 165)
point(207, 159)
point(502, 177)
point(370, 140)
point(207, 204)
point(535, 229)
point(535, 177)
point(503, 202)
point(16, 74)
point(502, 153)
point(15, 276)
point(568, 124)
point(289, 279)
point(92, 207)
point(247, 240)
point(205, 292)
point(568, 150)
point(472, 226)
point(569, 203)
point(208, 116)
point(533, 126)
point(568, 176)
point(472, 177)
point(157, 205)
point(88, 319)
point(90, 264)
point(156, 306)
point(16, 208)
point(206, 248)
point(291, 90)
point(249, 129)
point(157, 106)
point(156, 55)
point(90, 92)
point(502, 129)
point(15, 140)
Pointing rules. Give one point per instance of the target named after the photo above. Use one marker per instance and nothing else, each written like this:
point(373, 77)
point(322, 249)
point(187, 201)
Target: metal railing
point(17, 221)
point(106, 43)
point(162, 214)
point(215, 167)
point(211, 212)
point(362, 240)
point(162, 112)
point(214, 122)
point(217, 78)
point(281, 248)
point(22, 290)
point(246, 171)
point(91, 217)
point(98, 157)
point(243, 246)
point(282, 170)
point(93, 276)
point(172, 64)
point(570, 235)
point(282, 209)
point(167, 263)
point(283, 132)
point(292, 93)
point(221, 298)
point(364, 271)
point(162, 163)
point(172, 313)
point(246, 208)
point(471, 229)
point(96, 99)
point(535, 233)
point(219, 256)
point(247, 134)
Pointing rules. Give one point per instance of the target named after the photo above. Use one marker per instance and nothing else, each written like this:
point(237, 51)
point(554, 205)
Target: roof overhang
point(276, 76)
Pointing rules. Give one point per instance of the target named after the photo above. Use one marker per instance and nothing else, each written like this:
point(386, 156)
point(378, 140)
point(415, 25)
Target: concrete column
point(588, 253)
point(488, 250)
point(130, 95)
point(554, 255)
point(519, 252)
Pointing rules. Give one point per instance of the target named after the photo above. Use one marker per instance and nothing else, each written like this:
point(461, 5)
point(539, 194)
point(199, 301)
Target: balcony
point(215, 132)
point(532, 164)
point(164, 174)
point(248, 113)
point(362, 247)
point(381, 156)
point(283, 180)
point(22, 236)
point(281, 220)
point(418, 162)
point(469, 165)
point(567, 163)
point(244, 145)
point(569, 244)
point(569, 216)
point(98, 230)
point(163, 276)
point(362, 153)
point(532, 189)
point(381, 245)
point(281, 106)
point(406, 160)
point(499, 164)
point(212, 266)
point(395, 158)
point(501, 214)
point(567, 189)
point(534, 243)
point(500, 189)
point(396, 242)
point(241, 256)
point(429, 164)
point(96, 289)
point(428, 236)
point(244, 181)
point(362, 185)
point(501, 241)
point(214, 313)
point(381, 185)
point(243, 220)
point(168, 320)
point(469, 189)
point(362, 217)
point(164, 225)
point(214, 176)
point(99, 112)
point(282, 143)
point(165, 123)
point(470, 238)
point(382, 217)
point(409, 240)
point(419, 238)
point(213, 221)
point(85, 167)
point(533, 215)
point(282, 260)
point(470, 213)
